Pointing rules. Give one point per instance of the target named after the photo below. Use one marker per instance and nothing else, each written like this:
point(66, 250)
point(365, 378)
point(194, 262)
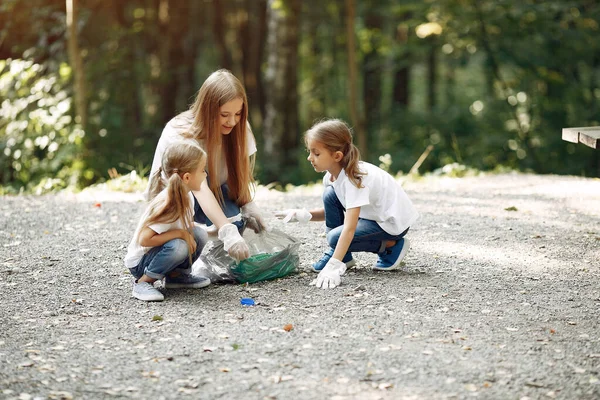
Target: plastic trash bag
point(216, 272)
point(273, 254)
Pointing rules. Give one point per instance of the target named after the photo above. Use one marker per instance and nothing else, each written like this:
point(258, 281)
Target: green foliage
point(507, 77)
point(456, 170)
point(38, 138)
point(129, 183)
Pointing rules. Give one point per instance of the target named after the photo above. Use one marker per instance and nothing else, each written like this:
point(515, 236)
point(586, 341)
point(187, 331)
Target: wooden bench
point(590, 136)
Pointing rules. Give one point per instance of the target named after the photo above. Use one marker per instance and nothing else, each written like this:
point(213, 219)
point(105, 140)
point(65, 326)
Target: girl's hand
point(189, 238)
point(294, 214)
point(331, 275)
point(233, 243)
point(254, 220)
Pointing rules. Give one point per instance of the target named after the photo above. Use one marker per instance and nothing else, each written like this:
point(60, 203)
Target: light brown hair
point(219, 88)
point(178, 159)
point(336, 135)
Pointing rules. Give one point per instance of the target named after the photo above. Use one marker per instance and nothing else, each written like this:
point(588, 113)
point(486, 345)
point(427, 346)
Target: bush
point(39, 141)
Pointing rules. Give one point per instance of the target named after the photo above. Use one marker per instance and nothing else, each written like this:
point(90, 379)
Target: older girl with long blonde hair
point(218, 121)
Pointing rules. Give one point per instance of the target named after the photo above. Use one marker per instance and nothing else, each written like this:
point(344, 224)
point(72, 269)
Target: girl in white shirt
point(166, 242)
point(365, 209)
point(218, 120)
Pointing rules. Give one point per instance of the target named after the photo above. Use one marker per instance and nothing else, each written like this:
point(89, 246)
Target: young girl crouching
point(365, 209)
point(166, 243)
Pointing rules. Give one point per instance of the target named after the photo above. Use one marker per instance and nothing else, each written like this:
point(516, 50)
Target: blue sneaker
point(186, 281)
point(319, 265)
point(391, 257)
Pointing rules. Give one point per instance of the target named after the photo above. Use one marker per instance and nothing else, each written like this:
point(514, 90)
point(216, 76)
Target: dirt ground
point(499, 298)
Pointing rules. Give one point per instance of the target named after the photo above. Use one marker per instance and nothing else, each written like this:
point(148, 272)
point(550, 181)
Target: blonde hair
point(178, 159)
point(336, 135)
point(219, 88)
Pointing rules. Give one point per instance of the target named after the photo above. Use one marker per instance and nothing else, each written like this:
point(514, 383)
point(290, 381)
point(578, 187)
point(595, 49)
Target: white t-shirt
point(381, 199)
point(172, 132)
point(135, 251)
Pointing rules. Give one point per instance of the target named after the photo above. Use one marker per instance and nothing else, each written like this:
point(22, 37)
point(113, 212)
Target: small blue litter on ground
point(246, 301)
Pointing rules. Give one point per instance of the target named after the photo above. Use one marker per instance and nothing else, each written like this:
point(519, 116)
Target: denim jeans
point(174, 254)
point(368, 236)
point(230, 209)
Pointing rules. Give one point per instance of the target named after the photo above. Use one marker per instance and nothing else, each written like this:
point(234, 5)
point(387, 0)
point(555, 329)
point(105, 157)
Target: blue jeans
point(368, 236)
point(174, 254)
point(230, 209)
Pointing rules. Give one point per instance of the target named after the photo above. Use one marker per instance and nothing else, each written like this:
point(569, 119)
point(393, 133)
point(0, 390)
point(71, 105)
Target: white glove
point(233, 243)
point(295, 214)
point(251, 214)
point(331, 275)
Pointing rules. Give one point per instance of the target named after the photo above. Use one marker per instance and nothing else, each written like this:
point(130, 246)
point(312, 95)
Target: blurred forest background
point(87, 86)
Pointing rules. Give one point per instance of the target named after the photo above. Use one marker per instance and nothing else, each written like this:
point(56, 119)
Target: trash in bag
point(217, 272)
point(273, 254)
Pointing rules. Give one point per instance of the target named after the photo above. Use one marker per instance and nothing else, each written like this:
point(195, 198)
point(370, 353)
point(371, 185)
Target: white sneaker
point(146, 291)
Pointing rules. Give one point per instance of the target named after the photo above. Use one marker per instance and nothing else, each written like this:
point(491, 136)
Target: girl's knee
point(178, 249)
point(201, 238)
point(333, 236)
point(200, 235)
point(329, 195)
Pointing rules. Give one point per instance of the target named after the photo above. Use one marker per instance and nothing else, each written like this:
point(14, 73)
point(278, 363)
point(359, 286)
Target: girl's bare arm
point(210, 205)
point(149, 238)
point(350, 222)
point(318, 214)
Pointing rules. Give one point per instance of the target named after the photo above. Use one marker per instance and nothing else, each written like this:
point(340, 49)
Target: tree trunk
point(450, 83)
point(401, 93)
point(355, 115)
point(316, 100)
point(166, 79)
point(280, 131)
point(252, 33)
point(372, 72)
point(191, 38)
point(432, 74)
point(76, 62)
point(182, 55)
point(219, 35)
point(176, 58)
point(401, 84)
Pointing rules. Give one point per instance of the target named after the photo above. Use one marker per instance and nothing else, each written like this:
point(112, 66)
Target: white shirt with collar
point(381, 199)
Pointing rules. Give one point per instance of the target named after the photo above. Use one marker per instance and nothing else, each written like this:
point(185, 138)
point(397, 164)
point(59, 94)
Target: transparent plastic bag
point(208, 266)
point(273, 254)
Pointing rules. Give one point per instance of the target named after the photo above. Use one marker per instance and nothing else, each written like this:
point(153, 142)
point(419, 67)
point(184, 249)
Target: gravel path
point(499, 298)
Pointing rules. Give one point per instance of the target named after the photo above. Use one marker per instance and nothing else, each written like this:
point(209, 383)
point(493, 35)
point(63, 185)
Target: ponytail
point(178, 200)
point(157, 184)
point(350, 165)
